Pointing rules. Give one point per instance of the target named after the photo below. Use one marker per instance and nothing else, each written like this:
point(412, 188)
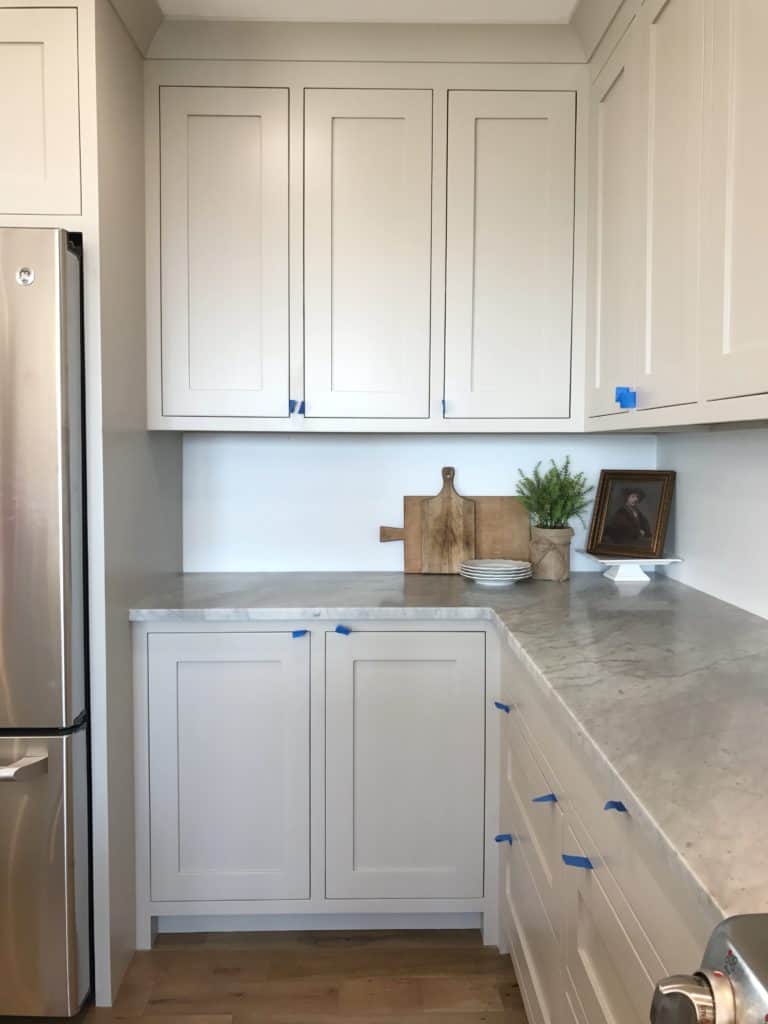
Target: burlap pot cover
point(551, 553)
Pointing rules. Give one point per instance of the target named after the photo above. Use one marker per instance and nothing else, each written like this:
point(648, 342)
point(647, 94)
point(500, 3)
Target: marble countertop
point(668, 684)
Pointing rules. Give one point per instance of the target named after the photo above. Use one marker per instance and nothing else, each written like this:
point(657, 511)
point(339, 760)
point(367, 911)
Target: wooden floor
point(435, 977)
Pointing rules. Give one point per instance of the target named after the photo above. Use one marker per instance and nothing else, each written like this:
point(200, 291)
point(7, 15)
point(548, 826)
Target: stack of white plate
point(495, 572)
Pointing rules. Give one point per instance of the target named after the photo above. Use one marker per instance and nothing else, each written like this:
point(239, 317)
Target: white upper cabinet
point(509, 253)
point(229, 766)
point(367, 247)
point(673, 67)
point(405, 752)
point(735, 282)
point(39, 116)
point(616, 307)
point(224, 251)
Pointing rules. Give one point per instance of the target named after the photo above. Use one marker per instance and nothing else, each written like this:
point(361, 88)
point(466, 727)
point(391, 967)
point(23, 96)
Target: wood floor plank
point(318, 978)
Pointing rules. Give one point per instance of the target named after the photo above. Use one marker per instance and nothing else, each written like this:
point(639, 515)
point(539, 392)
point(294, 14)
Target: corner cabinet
point(679, 219)
point(39, 111)
point(364, 247)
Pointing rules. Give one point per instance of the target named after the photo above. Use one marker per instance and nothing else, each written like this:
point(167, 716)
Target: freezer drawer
point(44, 912)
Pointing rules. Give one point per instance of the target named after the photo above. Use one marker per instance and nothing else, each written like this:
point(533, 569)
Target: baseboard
point(317, 922)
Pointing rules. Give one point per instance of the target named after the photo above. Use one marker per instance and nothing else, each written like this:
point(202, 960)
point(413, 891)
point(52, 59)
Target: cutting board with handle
point(502, 529)
point(447, 528)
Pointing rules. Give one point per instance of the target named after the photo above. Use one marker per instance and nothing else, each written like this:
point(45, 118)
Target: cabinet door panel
point(509, 254)
point(673, 72)
point(39, 117)
point(735, 359)
point(229, 766)
point(405, 726)
point(224, 214)
point(368, 183)
point(616, 314)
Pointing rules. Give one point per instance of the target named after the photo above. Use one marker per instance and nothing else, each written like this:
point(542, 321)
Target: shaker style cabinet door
point(367, 251)
point(224, 251)
point(509, 256)
point(39, 112)
point(229, 766)
point(735, 274)
point(405, 742)
point(616, 312)
point(672, 66)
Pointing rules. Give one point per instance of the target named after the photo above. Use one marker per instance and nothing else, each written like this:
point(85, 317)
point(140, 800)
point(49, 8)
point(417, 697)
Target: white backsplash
point(719, 516)
point(284, 504)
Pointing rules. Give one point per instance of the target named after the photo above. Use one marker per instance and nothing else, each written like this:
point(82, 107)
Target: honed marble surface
point(669, 685)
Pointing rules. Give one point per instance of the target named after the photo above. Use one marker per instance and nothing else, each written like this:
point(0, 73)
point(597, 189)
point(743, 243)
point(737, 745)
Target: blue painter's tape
point(502, 707)
point(299, 632)
point(301, 408)
point(291, 406)
point(505, 837)
point(344, 630)
point(577, 862)
point(442, 404)
point(548, 798)
point(616, 805)
point(626, 397)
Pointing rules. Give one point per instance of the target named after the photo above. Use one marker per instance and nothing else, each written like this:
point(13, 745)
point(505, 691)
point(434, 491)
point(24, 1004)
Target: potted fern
point(552, 499)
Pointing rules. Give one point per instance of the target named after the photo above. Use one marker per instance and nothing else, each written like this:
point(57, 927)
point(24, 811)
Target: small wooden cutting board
point(447, 528)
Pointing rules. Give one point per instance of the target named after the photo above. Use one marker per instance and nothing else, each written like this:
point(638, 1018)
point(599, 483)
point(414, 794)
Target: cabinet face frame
point(296, 76)
point(484, 909)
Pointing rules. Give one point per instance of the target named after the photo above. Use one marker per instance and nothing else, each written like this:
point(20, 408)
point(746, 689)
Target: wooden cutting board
point(447, 528)
point(502, 529)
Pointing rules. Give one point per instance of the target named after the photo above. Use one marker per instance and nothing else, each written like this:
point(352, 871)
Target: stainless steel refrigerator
point(44, 826)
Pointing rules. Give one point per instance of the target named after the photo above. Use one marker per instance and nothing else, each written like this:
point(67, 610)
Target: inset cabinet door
point(509, 269)
point(39, 111)
point(229, 766)
point(616, 327)
point(367, 250)
point(405, 741)
point(672, 67)
point(735, 281)
point(224, 251)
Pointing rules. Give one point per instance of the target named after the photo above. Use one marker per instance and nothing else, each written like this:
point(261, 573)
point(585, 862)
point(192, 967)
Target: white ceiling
point(418, 11)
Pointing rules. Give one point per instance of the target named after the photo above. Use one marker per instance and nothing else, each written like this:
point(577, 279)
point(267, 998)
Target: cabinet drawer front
point(229, 766)
point(509, 253)
point(367, 216)
point(224, 251)
point(405, 753)
point(39, 112)
point(602, 966)
point(537, 826)
point(524, 918)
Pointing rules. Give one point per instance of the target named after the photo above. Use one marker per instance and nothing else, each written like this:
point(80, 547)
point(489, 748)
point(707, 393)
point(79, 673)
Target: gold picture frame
point(631, 513)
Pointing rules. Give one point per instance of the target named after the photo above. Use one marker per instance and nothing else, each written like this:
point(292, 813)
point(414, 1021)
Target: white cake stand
point(631, 570)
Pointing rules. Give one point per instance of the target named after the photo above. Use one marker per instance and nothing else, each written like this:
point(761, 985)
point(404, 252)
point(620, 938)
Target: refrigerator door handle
point(24, 769)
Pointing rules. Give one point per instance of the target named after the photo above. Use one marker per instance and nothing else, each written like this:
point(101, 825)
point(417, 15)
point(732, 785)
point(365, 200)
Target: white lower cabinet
point(594, 914)
point(405, 756)
point(288, 770)
point(229, 766)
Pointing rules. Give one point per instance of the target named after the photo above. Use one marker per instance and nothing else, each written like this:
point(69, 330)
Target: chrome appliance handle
point(24, 769)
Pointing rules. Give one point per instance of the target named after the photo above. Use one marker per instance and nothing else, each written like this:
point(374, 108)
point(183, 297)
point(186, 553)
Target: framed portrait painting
point(631, 513)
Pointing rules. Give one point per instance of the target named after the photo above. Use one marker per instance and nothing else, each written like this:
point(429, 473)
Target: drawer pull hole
point(548, 798)
point(505, 837)
point(572, 861)
point(616, 805)
point(502, 707)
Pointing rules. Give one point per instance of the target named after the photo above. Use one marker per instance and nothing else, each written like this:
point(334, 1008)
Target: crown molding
point(142, 18)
